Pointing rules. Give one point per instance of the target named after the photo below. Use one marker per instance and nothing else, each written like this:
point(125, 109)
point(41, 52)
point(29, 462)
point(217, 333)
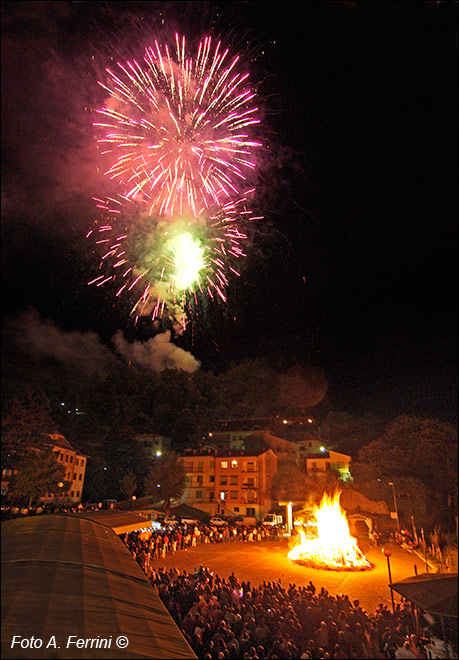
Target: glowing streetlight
point(387, 553)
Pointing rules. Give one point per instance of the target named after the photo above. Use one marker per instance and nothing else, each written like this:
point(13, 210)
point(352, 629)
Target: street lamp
point(386, 551)
point(391, 483)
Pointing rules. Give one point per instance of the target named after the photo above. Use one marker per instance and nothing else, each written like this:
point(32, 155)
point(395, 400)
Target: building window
point(199, 494)
point(250, 466)
point(234, 464)
point(233, 494)
point(233, 480)
point(224, 464)
point(211, 478)
point(79, 477)
point(222, 495)
point(76, 461)
point(199, 479)
point(72, 495)
point(223, 480)
point(78, 493)
point(250, 511)
point(187, 480)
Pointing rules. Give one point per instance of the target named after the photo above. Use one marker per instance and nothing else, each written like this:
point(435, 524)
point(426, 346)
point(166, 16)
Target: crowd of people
point(152, 545)
point(228, 619)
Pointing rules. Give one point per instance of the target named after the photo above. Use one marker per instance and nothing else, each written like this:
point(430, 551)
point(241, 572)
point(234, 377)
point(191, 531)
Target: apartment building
point(75, 466)
point(231, 482)
point(321, 462)
point(199, 480)
point(154, 445)
point(75, 469)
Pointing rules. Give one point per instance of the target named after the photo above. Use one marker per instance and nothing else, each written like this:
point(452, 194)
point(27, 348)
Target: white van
point(272, 519)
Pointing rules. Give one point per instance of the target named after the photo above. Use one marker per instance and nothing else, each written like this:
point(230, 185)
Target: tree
point(411, 493)
point(39, 473)
point(166, 480)
point(289, 484)
point(128, 485)
point(349, 433)
point(417, 455)
point(26, 423)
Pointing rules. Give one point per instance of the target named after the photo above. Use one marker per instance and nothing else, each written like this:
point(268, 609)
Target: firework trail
point(169, 266)
point(176, 129)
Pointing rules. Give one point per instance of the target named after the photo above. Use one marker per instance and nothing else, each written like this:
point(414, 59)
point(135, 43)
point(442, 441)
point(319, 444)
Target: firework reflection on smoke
point(167, 266)
point(176, 129)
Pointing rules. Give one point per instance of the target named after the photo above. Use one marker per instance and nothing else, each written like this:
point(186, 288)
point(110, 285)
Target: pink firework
point(176, 129)
point(147, 260)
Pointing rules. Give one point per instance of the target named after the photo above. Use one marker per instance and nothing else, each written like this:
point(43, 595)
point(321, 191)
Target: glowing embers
point(334, 548)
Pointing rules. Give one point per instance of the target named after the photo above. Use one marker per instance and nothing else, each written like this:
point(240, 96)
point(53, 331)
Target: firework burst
point(176, 129)
point(168, 266)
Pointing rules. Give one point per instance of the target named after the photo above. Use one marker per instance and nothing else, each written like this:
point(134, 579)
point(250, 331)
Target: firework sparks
point(168, 265)
point(177, 129)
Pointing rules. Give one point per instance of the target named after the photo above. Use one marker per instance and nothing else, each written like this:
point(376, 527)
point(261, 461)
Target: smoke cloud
point(84, 353)
point(157, 354)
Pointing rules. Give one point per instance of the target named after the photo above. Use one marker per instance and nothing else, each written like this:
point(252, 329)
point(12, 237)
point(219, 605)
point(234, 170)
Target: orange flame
point(334, 548)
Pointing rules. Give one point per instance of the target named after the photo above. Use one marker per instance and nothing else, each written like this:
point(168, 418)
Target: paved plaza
point(267, 560)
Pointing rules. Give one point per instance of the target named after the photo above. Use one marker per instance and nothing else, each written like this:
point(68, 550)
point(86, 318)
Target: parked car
point(169, 521)
point(189, 521)
point(215, 520)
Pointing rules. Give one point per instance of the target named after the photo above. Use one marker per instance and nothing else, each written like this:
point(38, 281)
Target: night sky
point(353, 269)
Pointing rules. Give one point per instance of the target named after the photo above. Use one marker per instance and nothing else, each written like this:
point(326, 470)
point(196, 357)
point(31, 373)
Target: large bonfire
point(334, 548)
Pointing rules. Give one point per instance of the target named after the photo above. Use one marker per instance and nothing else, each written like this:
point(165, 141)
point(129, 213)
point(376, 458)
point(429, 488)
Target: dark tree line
point(102, 417)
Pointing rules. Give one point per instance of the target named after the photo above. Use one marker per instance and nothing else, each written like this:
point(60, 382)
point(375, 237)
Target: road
point(267, 560)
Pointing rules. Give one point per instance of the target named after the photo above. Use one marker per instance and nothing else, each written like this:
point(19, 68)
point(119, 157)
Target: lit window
point(224, 464)
point(222, 495)
point(234, 464)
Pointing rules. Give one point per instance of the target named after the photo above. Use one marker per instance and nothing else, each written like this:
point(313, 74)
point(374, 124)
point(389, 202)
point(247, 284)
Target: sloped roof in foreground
point(435, 593)
point(65, 575)
point(119, 521)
